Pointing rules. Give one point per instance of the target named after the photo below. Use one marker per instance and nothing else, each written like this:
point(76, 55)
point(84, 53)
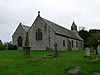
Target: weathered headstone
point(98, 49)
point(93, 60)
point(96, 73)
point(74, 70)
point(87, 52)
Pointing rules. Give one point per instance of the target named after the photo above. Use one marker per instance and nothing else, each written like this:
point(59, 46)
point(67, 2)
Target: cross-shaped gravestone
point(56, 52)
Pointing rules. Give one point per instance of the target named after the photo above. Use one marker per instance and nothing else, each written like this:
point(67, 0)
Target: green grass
point(14, 63)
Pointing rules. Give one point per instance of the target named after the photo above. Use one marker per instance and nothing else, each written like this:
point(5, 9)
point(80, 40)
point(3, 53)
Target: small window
point(63, 43)
point(76, 44)
point(81, 44)
point(72, 43)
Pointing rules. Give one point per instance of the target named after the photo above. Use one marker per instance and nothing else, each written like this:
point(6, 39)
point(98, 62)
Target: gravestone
point(98, 49)
point(56, 52)
point(96, 73)
point(74, 70)
point(87, 52)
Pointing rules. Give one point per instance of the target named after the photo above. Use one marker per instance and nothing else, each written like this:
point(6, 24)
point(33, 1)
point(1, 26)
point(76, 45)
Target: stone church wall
point(60, 40)
point(48, 36)
point(19, 32)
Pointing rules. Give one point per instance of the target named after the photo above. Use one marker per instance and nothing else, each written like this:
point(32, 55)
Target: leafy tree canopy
point(84, 34)
point(94, 40)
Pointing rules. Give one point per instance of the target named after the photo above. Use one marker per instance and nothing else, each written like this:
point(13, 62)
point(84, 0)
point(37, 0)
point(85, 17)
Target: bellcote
point(74, 27)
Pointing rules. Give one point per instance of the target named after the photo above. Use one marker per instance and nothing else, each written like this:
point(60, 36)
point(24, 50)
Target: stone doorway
point(20, 41)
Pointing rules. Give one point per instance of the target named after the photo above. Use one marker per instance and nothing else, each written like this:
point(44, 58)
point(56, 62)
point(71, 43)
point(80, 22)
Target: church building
point(44, 34)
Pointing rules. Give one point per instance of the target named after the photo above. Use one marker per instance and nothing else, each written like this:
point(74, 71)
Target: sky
point(85, 13)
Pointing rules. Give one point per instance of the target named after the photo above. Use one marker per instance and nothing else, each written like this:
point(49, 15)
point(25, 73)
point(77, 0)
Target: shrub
point(12, 47)
point(2, 47)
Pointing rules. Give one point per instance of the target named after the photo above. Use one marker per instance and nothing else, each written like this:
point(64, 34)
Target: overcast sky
point(85, 13)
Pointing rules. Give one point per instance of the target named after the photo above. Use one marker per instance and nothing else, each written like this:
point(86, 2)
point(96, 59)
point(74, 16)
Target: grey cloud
point(63, 12)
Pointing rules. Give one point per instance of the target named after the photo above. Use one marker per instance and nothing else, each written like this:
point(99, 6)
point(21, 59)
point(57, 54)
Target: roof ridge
point(26, 28)
point(61, 30)
point(56, 24)
point(25, 25)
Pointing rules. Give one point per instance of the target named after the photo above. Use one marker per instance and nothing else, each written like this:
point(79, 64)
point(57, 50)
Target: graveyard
point(13, 62)
point(49, 37)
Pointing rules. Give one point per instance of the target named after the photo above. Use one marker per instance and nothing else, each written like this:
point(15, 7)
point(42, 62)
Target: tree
point(81, 28)
point(84, 34)
point(1, 42)
point(93, 40)
point(2, 46)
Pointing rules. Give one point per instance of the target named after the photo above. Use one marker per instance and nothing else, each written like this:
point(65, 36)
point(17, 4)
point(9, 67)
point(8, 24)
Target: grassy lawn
point(14, 63)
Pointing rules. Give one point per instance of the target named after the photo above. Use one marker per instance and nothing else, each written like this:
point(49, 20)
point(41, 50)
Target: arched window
point(20, 41)
point(63, 43)
point(38, 34)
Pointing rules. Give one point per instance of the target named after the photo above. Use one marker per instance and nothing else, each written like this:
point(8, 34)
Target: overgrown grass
point(14, 63)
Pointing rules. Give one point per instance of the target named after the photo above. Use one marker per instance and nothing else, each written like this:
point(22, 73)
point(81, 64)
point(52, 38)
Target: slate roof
point(62, 31)
point(26, 28)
